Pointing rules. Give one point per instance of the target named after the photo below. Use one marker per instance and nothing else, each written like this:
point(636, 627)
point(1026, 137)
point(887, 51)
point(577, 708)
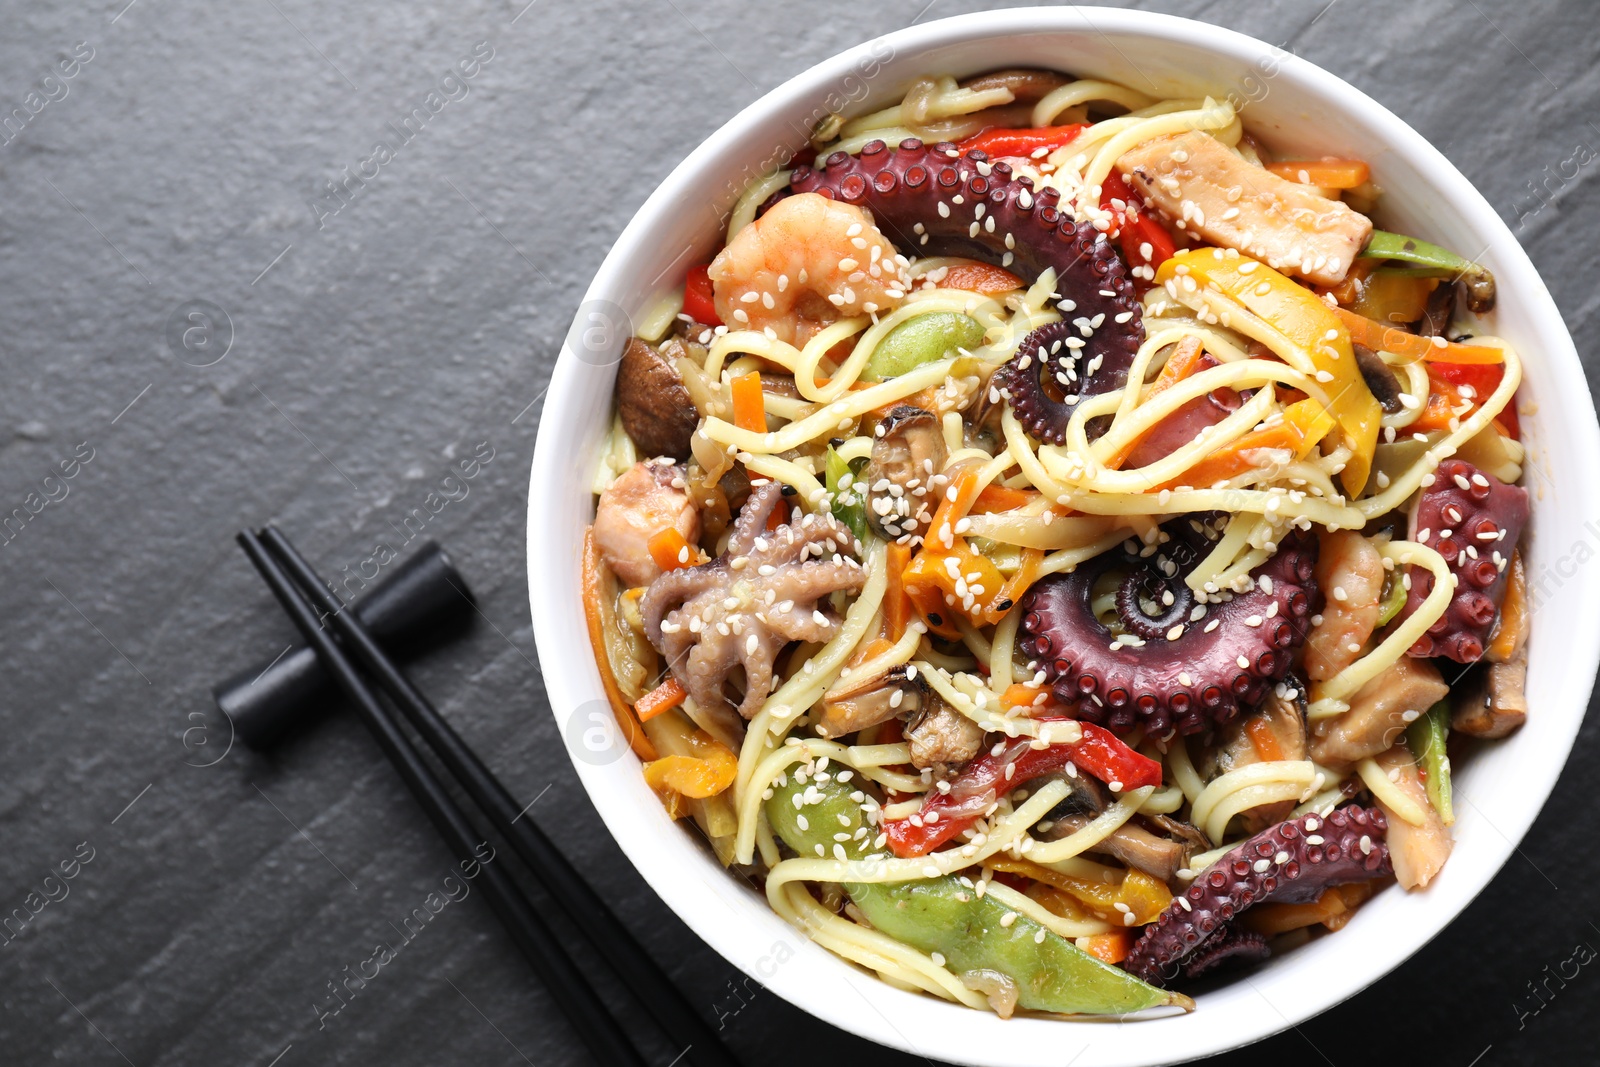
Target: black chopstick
point(566, 983)
point(587, 912)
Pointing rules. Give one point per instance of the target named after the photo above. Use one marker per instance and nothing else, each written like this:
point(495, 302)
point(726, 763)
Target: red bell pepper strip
point(1137, 228)
point(985, 780)
point(1445, 396)
point(1002, 143)
point(698, 301)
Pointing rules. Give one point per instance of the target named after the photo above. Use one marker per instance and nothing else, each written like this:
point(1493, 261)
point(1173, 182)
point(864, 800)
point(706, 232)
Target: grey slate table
point(378, 336)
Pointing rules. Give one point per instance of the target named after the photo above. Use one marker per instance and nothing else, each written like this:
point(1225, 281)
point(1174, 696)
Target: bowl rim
point(1027, 1040)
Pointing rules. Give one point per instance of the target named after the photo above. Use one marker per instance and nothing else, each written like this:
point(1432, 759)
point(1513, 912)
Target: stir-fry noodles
point(1052, 544)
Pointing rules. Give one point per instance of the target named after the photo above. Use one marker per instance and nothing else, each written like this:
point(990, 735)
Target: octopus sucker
point(1176, 674)
point(1473, 520)
point(1290, 863)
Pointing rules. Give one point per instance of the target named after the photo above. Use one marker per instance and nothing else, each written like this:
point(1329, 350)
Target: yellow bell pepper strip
point(709, 771)
point(749, 408)
point(1145, 895)
point(1391, 296)
point(1305, 422)
point(943, 915)
point(1323, 173)
point(1382, 338)
point(1292, 321)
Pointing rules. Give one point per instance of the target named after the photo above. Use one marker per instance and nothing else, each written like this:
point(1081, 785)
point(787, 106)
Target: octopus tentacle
point(1180, 663)
point(937, 200)
point(1290, 863)
point(1473, 520)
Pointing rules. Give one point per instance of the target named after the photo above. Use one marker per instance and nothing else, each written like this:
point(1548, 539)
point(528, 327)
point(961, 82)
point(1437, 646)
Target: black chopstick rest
point(423, 601)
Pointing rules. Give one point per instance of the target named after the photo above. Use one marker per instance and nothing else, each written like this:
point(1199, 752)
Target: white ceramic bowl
point(1297, 108)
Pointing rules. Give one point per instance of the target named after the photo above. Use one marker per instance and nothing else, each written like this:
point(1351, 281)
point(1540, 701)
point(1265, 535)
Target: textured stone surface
point(377, 351)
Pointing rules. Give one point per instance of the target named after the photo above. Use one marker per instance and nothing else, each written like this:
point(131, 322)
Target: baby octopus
point(807, 262)
point(742, 608)
point(1178, 663)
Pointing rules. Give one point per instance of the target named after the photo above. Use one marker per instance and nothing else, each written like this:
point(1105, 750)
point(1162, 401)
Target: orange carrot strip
point(1185, 360)
point(1109, 947)
point(1327, 173)
point(996, 497)
point(591, 616)
point(1272, 919)
point(1379, 337)
point(664, 697)
point(1304, 424)
point(1262, 739)
point(670, 551)
point(1020, 695)
point(749, 410)
point(896, 604)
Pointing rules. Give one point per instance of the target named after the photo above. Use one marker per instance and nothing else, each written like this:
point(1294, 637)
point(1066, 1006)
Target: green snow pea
point(942, 915)
point(1430, 259)
point(923, 339)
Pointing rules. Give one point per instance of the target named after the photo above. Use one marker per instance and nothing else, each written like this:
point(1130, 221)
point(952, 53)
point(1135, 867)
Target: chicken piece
point(1418, 852)
point(636, 507)
point(1494, 703)
point(941, 737)
point(1215, 194)
point(1350, 571)
point(1378, 713)
point(653, 402)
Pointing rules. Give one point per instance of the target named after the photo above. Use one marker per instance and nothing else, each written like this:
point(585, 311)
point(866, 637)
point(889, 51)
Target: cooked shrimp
point(647, 499)
point(807, 262)
point(1350, 574)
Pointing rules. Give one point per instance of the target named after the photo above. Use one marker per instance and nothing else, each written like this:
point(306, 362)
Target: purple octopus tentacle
point(1473, 520)
point(1290, 863)
point(1192, 664)
point(937, 200)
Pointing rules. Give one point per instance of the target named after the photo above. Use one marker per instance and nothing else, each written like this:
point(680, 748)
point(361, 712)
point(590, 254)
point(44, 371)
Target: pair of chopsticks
point(307, 600)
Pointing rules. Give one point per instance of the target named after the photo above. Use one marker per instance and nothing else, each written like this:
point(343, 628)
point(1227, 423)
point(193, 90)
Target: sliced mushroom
point(1378, 713)
point(908, 452)
point(1494, 701)
point(655, 407)
point(941, 738)
point(868, 700)
point(1379, 378)
point(1131, 843)
point(1441, 309)
point(1198, 180)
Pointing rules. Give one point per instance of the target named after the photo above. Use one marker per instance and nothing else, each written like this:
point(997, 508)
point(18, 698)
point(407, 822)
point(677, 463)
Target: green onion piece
point(1426, 739)
point(849, 504)
point(1394, 598)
